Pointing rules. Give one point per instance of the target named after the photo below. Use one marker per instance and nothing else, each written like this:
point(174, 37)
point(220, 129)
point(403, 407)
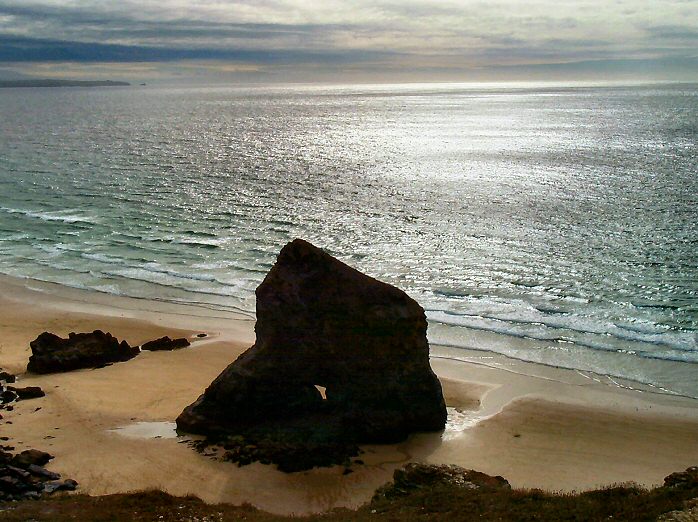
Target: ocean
point(557, 225)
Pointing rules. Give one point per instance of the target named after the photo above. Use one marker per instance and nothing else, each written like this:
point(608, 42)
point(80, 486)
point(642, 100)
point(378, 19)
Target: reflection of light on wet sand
point(458, 421)
point(148, 430)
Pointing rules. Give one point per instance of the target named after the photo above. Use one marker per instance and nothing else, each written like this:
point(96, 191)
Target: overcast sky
point(383, 40)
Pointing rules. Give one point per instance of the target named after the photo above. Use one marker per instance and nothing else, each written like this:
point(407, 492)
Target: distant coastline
point(61, 83)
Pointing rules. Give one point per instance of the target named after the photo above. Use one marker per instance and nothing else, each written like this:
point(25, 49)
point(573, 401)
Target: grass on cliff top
point(440, 502)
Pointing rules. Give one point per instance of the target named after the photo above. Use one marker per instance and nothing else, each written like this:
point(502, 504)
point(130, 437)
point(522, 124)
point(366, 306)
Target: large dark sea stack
point(51, 353)
point(323, 323)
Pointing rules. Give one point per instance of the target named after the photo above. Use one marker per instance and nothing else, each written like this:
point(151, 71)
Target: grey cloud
point(21, 49)
point(388, 34)
point(675, 32)
point(118, 25)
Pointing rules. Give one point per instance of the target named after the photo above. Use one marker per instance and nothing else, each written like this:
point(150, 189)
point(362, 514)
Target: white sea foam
point(59, 215)
point(104, 258)
point(196, 276)
point(523, 320)
point(14, 237)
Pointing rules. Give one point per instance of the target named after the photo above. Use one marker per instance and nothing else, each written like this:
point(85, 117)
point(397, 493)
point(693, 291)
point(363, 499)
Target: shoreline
point(538, 426)
point(242, 327)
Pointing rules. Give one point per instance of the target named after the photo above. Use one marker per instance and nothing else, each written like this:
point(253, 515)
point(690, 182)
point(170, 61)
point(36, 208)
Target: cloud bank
point(401, 39)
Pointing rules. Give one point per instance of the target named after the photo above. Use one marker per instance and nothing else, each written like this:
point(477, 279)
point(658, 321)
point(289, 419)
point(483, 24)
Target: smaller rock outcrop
point(10, 394)
point(31, 457)
point(23, 476)
point(51, 353)
point(29, 392)
point(682, 479)
point(165, 343)
point(418, 476)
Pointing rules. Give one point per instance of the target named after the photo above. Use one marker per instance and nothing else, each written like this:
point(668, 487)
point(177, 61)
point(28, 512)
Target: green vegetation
point(439, 502)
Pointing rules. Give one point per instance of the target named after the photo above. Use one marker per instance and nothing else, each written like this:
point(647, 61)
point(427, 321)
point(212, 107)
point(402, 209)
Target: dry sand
point(536, 426)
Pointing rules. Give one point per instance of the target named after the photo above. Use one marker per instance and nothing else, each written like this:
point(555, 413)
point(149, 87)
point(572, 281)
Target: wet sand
point(111, 428)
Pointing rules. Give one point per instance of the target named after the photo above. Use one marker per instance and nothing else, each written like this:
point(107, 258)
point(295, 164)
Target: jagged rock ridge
point(165, 344)
point(51, 353)
point(416, 476)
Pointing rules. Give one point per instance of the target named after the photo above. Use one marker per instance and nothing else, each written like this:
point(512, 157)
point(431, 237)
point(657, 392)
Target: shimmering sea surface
point(554, 225)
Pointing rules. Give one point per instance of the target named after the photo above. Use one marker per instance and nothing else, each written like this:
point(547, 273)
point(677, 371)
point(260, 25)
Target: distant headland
point(61, 83)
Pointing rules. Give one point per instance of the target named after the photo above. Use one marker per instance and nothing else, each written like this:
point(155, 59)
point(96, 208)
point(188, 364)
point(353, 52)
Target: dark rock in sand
point(31, 456)
point(165, 343)
point(417, 476)
point(7, 377)
point(51, 353)
point(18, 473)
point(60, 485)
point(45, 474)
point(7, 396)
point(23, 476)
point(320, 322)
point(29, 392)
point(5, 457)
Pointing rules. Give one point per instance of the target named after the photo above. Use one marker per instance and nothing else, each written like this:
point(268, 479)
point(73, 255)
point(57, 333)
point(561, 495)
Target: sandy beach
point(111, 429)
